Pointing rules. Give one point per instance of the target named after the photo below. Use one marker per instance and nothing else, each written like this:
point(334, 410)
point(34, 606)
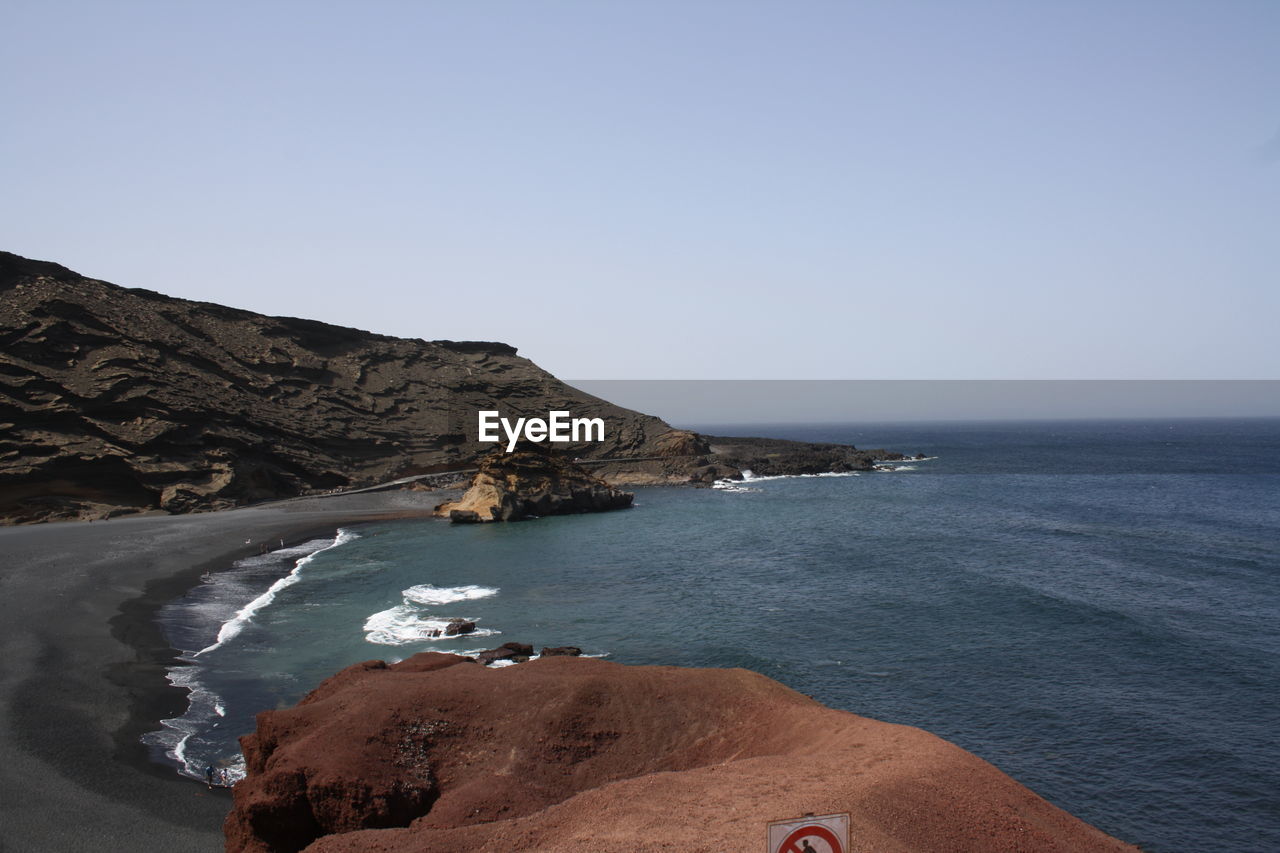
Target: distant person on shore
point(208, 775)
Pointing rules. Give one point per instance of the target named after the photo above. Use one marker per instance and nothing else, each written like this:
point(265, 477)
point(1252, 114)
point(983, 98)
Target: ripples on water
point(1092, 608)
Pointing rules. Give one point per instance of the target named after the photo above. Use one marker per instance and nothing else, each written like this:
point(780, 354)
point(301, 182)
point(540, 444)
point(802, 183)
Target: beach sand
point(82, 667)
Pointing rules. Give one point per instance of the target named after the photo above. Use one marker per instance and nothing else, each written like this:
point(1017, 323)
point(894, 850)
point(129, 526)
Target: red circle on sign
point(791, 844)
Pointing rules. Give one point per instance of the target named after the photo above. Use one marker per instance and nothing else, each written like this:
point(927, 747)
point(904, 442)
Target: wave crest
point(409, 623)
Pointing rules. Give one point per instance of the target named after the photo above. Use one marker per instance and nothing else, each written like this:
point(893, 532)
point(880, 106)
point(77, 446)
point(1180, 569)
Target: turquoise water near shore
point(1092, 607)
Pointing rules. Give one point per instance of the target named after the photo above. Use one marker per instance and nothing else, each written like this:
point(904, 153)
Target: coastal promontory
point(529, 483)
point(567, 753)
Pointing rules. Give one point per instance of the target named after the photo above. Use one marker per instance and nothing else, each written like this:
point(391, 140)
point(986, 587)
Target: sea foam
point(203, 704)
point(429, 596)
point(408, 622)
point(748, 476)
point(404, 623)
point(237, 623)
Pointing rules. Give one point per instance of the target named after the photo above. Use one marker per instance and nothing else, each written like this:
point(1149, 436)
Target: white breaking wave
point(235, 624)
point(731, 486)
point(501, 663)
point(408, 623)
point(430, 596)
point(749, 477)
point(405, 623)
point(202, 704)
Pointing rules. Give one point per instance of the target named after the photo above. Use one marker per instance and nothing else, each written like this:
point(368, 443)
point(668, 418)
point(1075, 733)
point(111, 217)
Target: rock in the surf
point(514, 652)
point(459, 626)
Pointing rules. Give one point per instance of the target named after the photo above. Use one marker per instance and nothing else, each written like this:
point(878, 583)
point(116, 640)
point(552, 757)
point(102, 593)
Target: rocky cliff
point(115, 399)
point(531, 482)
point(438, 753)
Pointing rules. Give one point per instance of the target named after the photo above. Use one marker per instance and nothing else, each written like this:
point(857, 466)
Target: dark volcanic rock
point(705, 475)
point(518, 652)
point(569, 753)
point(458, 626)
point(115, 399)
point(767, 457)
point(531, 482)
point(464, 516)
point(560, 651)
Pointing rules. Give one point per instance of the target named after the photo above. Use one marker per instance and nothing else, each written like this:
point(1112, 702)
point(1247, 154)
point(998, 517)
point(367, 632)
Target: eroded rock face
point(531, 482)
point(115, 400)
point(569, 753)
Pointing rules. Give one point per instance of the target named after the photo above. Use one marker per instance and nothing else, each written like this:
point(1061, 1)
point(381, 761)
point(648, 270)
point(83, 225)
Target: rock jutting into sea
point(531, 483)
point(569, 753)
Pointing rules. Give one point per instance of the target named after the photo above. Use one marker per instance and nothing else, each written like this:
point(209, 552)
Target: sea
point(1091, 606)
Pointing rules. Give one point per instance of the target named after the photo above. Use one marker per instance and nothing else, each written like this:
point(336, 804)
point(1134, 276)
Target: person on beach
point(208, 775)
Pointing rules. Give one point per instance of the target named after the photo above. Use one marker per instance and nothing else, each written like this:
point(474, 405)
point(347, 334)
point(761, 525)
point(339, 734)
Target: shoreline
point(85, 664)
point(153, 697)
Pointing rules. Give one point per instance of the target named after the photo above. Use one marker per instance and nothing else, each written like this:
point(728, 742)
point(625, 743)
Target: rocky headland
point(565, 753)
point(530, 483)
point(116, 400)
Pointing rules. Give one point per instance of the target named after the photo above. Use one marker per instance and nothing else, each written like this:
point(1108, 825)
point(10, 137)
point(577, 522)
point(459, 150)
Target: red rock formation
point(569, 753)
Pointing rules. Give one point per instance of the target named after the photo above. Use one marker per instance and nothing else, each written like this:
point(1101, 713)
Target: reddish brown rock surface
point(567, 753)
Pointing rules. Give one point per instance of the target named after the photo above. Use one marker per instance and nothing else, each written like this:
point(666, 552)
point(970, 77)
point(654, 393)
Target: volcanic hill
point(117, 400)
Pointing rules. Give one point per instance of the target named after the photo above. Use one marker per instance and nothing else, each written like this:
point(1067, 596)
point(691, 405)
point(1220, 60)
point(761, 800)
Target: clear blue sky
point(683, 189)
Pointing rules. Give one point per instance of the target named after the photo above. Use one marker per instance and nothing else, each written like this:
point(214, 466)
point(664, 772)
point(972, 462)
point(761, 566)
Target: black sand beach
point(82, 667)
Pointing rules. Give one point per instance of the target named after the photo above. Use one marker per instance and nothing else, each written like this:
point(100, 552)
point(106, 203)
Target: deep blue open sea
point(1094, 607)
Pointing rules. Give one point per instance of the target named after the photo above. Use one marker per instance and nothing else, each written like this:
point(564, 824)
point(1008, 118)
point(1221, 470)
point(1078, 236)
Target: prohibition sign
point(816, 830)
